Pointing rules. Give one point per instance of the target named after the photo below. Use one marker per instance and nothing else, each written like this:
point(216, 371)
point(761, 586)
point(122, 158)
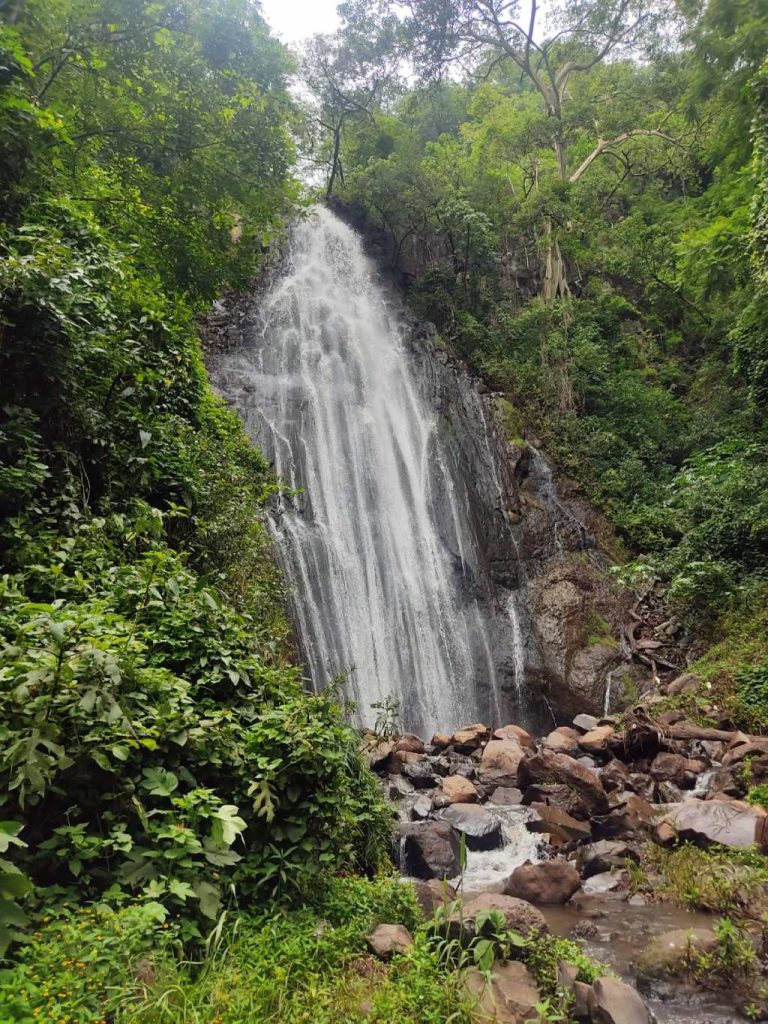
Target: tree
point(582, 35)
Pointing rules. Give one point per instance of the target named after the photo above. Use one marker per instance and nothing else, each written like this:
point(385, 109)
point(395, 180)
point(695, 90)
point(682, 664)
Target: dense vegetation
point(155, 738)
point(582, 212)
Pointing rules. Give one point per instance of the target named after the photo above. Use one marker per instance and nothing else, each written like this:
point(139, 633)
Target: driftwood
point(641, 730)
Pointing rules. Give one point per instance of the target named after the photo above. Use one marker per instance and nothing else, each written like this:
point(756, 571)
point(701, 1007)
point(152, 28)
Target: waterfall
point(326, 388)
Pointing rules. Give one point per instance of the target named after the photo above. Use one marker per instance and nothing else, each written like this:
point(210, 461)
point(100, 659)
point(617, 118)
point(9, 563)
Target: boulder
point(519, 915)
point(505, 796)
point(674, 952)
point(615, 775)
point(729, 823)
point(399, 758)
point(611, 1001)
point(510, 997)
point(585, 723)
point(388, 939)
point(457, 790)
point(682, 771)
point(378, 753)
point(441, 740)
point(502, 756)
point(558, 823)
point(469, 739)
point(596, 740)
point(481, 827)
point(562, 797)
point(515, 733)
point(547, 766)
point(430, 849)
point(421, 775)
point(421, 808)
point(630, 814)
point(432, 894)
point(410, 742)
point(552, 881)
point(563, 740)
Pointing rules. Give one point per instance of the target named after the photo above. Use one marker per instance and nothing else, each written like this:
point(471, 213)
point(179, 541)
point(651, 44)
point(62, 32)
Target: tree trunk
point(334, 162)
point(555, 278)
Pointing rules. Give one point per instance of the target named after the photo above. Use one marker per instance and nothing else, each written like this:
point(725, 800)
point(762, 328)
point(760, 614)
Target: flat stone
point(551, 881)
point(388, 939)
point(505, 796)
point(606, 882)
point(585, 723)
point(611, 1001)
point(729, 823)
point(470, 738)
point(481, 827)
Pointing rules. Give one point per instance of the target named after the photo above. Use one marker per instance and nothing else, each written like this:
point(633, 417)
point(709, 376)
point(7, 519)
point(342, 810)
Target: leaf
point(145, 437)
point(120, 752)
point(227, 826)
point(159, 782)
point(210, 899)
point(182, 890)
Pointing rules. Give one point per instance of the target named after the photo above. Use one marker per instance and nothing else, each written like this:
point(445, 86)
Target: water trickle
point(327, 389)
point(488, 870)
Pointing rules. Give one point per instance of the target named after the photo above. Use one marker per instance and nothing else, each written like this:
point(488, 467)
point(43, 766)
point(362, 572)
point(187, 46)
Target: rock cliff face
point(558, 618)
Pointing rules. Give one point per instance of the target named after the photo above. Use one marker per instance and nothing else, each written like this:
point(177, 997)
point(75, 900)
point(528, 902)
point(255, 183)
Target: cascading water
point(327, 389)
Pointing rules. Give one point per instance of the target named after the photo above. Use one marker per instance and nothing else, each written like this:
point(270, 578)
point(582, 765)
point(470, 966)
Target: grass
point(126, 965)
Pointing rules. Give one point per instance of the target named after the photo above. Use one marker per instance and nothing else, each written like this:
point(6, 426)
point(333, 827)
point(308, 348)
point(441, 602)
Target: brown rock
point(585, 723)
point(596, 740)
point(615, 775)
point(441, 740)
point(547, 766)
point(562, 797)
point(458, 790)
point(558, 823)
point(515, 733)
point(411, 742)
point(432, 894)
point(686, 683)
point(682, 771)
point(378, 753)
point(502, 756)
point(611, 1001)
point(509, 998)
point(518, 915)
point(505, 796)
point(388, 939)
point(581, 992)
point(552, 881)
point(563, 740)
point(469, 739)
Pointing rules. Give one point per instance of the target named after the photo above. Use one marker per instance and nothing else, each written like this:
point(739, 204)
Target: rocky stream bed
point(551, 833)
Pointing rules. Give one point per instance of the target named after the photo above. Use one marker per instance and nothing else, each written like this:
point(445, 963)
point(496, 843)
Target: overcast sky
point(293, 20)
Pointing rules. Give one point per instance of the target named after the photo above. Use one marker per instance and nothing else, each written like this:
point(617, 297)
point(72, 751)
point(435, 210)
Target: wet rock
point(432, 894)
point(675, 951)
point(481, 827)
point(388, 939)
point(551, 881)
point(682, 771)
point(430, 849)
point(502, 756)
point(510, 997)
point(518, 914)
point(397, 787)
point(547, 766)
point(611, 1001)
point(469, 739)
point(585, 723)
point(563, 740)
point(421, 775)
point(604, 856)
point(558, 823)
point(730, 823)
point(669, 793)
point(505, 796)
point(596, 740)
point(410, 742)
point(457, 790)
point(421, 808)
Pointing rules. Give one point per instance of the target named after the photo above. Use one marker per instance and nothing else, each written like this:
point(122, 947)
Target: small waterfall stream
point(327, 390)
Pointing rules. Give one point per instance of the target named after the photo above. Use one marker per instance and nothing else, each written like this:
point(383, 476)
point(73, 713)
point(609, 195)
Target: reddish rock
point(410, 742)
point(547, 766)
point(558, 823)
point(502, 756)
point(682, 771)
point(515, 733)
point(563, 740)
point(441, 740)
point(466, 740)
point(552, 881)
point(596, 740)
point(457, 790)
point(388, 939)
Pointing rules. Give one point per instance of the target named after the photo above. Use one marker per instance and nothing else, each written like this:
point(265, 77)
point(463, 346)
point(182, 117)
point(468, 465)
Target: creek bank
point(564, 821)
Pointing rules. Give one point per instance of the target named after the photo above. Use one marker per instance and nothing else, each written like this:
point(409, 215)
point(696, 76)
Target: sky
point(294, 20)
